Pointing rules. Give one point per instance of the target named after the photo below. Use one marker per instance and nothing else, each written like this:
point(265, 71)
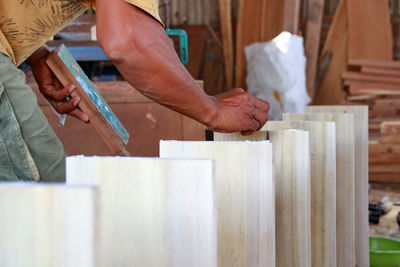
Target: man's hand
point(52, 89)
point(239, 111)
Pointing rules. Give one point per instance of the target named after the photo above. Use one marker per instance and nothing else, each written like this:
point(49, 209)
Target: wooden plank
point(225, 11)
point(345, 138)
point(312, 42)
point(390, 139)
point(323, 182)
point(375, 63)
point(367, 85)
point(384, 178)
point(153, 212)
point(371, 90)
point(291, 16)
point(292, 197)
point(92, 103)
point(45, 225)
point(370, 30)
point(380, 71)
point(323, 186)
point(361, 175)
point(357, 76)
point(245, 198)
point(330, 91)
point(390, 127)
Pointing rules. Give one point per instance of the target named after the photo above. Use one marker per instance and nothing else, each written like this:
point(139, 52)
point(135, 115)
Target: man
point(131, 34)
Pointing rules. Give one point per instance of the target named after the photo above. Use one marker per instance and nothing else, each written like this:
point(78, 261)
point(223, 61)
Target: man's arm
point(143, 53)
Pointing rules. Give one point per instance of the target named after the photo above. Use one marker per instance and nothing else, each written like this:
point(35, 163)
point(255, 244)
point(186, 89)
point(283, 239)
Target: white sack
point(277, 73)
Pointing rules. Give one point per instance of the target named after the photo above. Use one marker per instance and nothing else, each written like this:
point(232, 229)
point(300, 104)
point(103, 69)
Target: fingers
point(260, 104)
point(77, 113)
point(260, 116)
point(52, 93)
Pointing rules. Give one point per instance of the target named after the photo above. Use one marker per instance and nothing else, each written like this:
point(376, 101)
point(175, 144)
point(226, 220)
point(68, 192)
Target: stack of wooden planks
point(376, 83)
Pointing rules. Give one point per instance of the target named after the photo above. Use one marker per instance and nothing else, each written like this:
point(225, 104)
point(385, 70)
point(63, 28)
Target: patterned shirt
point(25, 25)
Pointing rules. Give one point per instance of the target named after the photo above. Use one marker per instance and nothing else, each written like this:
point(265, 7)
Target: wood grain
point(345, 212)
point(361, 175)
point(245, 198)
point(225, 11)
point(330, 91)
point(292, 197)
point(312, 42)
point(370, 30)
point(154, 212)
point(323, 186)
point(48, 225)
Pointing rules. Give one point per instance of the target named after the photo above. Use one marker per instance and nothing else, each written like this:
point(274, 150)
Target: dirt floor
point(387, 226)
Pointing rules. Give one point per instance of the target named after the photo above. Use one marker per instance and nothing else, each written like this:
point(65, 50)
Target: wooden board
point(370, 30)
point(361, 175)
point(330, 91)
point(380, 71)
point(291, 15)
point(390, 127)
point(323, 186)
point(312, 42)
point(345, 138)
point(375, 63)
point(154, 212)
point(45, 225)
point(357, 76)
point(292, 197)
point(92, 103)
point(245, 198)
point(225, 11)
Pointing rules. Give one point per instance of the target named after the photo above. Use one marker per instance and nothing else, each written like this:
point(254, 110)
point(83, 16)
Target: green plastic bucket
point(384, 252)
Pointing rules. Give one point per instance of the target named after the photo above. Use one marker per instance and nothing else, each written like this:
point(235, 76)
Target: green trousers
point(29, 148)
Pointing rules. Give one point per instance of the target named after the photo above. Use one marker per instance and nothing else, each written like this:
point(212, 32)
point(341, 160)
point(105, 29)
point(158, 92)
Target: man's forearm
point(146, 58)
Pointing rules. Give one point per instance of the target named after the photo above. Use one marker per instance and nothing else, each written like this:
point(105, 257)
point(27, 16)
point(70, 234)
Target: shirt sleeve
point(149, 6)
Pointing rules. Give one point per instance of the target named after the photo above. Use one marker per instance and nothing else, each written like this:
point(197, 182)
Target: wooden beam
point(245, 198)
point(153, 212)
point(361, 175)
point(312, 42)
point(345, 138)
point(387, 64)
point(44, 225)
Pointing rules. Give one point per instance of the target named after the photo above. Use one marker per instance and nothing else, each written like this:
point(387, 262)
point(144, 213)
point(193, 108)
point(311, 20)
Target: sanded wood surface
point(312, 42)
point(381, 71)
point(361, 176)
point(323, 186)
point(245, 198)
point(367, 62)
point(330, 91)
point(345, 138)
point(370, 30)
point(48, 225)
point(292, 197)
point(356, 76)
point(154, 212)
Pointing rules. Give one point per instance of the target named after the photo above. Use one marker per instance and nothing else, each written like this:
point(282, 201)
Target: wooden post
point(292, 187)
point(244, 195)
point(344, 181)
point(48, 225)
point(361, 176)
point(323, 186)
point(154, 212)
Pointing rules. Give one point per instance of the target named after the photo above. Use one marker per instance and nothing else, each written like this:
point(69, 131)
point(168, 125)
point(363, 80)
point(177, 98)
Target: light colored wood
point(225, 11)
point(390, 127)
point(323, 182)
point(330, 91)
point(370, 30)
point(312, 42)
point(345, 138)
point(244, 195)
point(154, 212)
point(292, 197)
point(323, 186)
point(361, 175)
point(357, 76)
point(45, 225)
point(387, 64)
point(380, 71)
point(291, 15)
